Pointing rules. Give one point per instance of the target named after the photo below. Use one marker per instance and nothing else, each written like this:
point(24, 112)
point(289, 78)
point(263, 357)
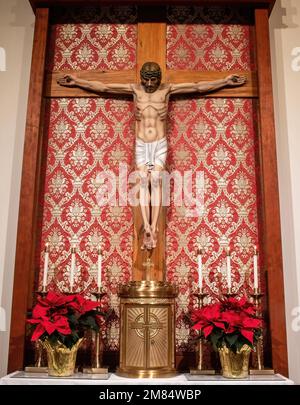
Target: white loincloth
point(151, 153)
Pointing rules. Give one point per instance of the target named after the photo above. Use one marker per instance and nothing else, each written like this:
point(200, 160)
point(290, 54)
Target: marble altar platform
point(23, 378)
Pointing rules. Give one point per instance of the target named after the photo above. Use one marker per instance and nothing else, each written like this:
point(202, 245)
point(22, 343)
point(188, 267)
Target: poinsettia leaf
point(231, 339)
point(238, 346)
point(207, 330)
point(216, 338)
point(245, 341)
point(248, 335)
point(89, 322)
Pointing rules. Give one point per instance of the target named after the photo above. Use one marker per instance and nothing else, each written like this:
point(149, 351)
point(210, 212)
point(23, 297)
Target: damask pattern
point(85, 138)
point(208, 47)
point(94, 15)
point(92, 47)
point(216, 137)
point(209, 15)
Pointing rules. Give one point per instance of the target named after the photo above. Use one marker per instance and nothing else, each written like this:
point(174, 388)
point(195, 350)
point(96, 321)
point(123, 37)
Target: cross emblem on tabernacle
point(144, 326)
point(148, 265)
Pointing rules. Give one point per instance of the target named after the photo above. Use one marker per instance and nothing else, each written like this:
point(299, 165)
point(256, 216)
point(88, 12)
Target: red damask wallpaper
point(216, 136)
point(85, 138)
point(210, 47)
point(92, 47)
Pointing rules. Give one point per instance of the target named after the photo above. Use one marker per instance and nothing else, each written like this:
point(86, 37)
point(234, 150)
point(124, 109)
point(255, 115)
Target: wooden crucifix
point(151, 102)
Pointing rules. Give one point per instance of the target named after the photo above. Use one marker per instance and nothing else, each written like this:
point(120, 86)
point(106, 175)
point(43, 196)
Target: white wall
point(16, 34)
point(285, 38)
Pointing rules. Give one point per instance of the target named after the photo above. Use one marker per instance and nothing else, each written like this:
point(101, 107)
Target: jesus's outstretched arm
point(95, 86)
point(206, 87)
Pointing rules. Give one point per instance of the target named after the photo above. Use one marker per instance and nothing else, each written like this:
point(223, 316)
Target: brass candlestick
point(72, 292)
point(38, 348)
point(200, 370)
point(261, 370)
point(229, 293)
point(97, 367)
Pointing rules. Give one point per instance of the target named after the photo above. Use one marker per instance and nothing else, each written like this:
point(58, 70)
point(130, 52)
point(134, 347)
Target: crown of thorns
point(147, 74)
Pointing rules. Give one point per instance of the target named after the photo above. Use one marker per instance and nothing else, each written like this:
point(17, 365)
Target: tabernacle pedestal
point(147, 335)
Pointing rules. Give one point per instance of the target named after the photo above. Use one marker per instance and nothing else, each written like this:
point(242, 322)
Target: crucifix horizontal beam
point(52, 89)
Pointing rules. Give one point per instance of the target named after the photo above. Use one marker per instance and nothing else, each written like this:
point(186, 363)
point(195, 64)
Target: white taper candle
point(228, 269)
point(255, 268)
point(99, 279)
point(73, 264)
point(46, 264)
point(200, 275)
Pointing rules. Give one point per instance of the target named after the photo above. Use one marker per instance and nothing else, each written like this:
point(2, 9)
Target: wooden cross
point(151, 46)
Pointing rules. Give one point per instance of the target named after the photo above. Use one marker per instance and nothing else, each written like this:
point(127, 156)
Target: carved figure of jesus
point(151, 106)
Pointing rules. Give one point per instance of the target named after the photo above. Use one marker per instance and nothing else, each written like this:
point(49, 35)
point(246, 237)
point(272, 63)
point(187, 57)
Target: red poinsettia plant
point(64, 318)
point(231, 323)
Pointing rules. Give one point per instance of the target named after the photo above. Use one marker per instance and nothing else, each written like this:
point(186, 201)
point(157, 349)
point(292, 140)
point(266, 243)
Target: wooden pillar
point(270, 197)
point(24, 263)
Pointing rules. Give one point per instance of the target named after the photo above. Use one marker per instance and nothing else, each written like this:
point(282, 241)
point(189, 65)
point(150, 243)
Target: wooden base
point(161, 373)
point(95, 370)
point(196, 371)
point(264, 371)
point(34, 369)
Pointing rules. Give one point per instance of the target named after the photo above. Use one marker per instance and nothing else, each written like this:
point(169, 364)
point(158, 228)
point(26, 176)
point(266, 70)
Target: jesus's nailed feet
point(147, 240)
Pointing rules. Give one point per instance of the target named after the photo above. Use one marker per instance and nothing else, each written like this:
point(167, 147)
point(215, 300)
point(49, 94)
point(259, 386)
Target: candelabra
point(260, 370)
point(39, 366)
point(97, 352)
point(200, 370)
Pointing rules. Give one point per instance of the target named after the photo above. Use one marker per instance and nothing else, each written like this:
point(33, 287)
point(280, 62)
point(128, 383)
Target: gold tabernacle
point(147, 346)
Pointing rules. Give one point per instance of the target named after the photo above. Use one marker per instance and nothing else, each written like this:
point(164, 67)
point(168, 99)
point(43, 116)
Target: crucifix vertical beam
point(151, 46)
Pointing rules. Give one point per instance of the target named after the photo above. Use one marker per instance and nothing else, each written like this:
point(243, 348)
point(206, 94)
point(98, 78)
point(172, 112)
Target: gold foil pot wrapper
point(61, 360)
point(235, 365)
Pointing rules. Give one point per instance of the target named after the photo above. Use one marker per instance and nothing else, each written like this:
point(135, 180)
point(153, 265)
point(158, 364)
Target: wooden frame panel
point(271, 234)
point(24, 263)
